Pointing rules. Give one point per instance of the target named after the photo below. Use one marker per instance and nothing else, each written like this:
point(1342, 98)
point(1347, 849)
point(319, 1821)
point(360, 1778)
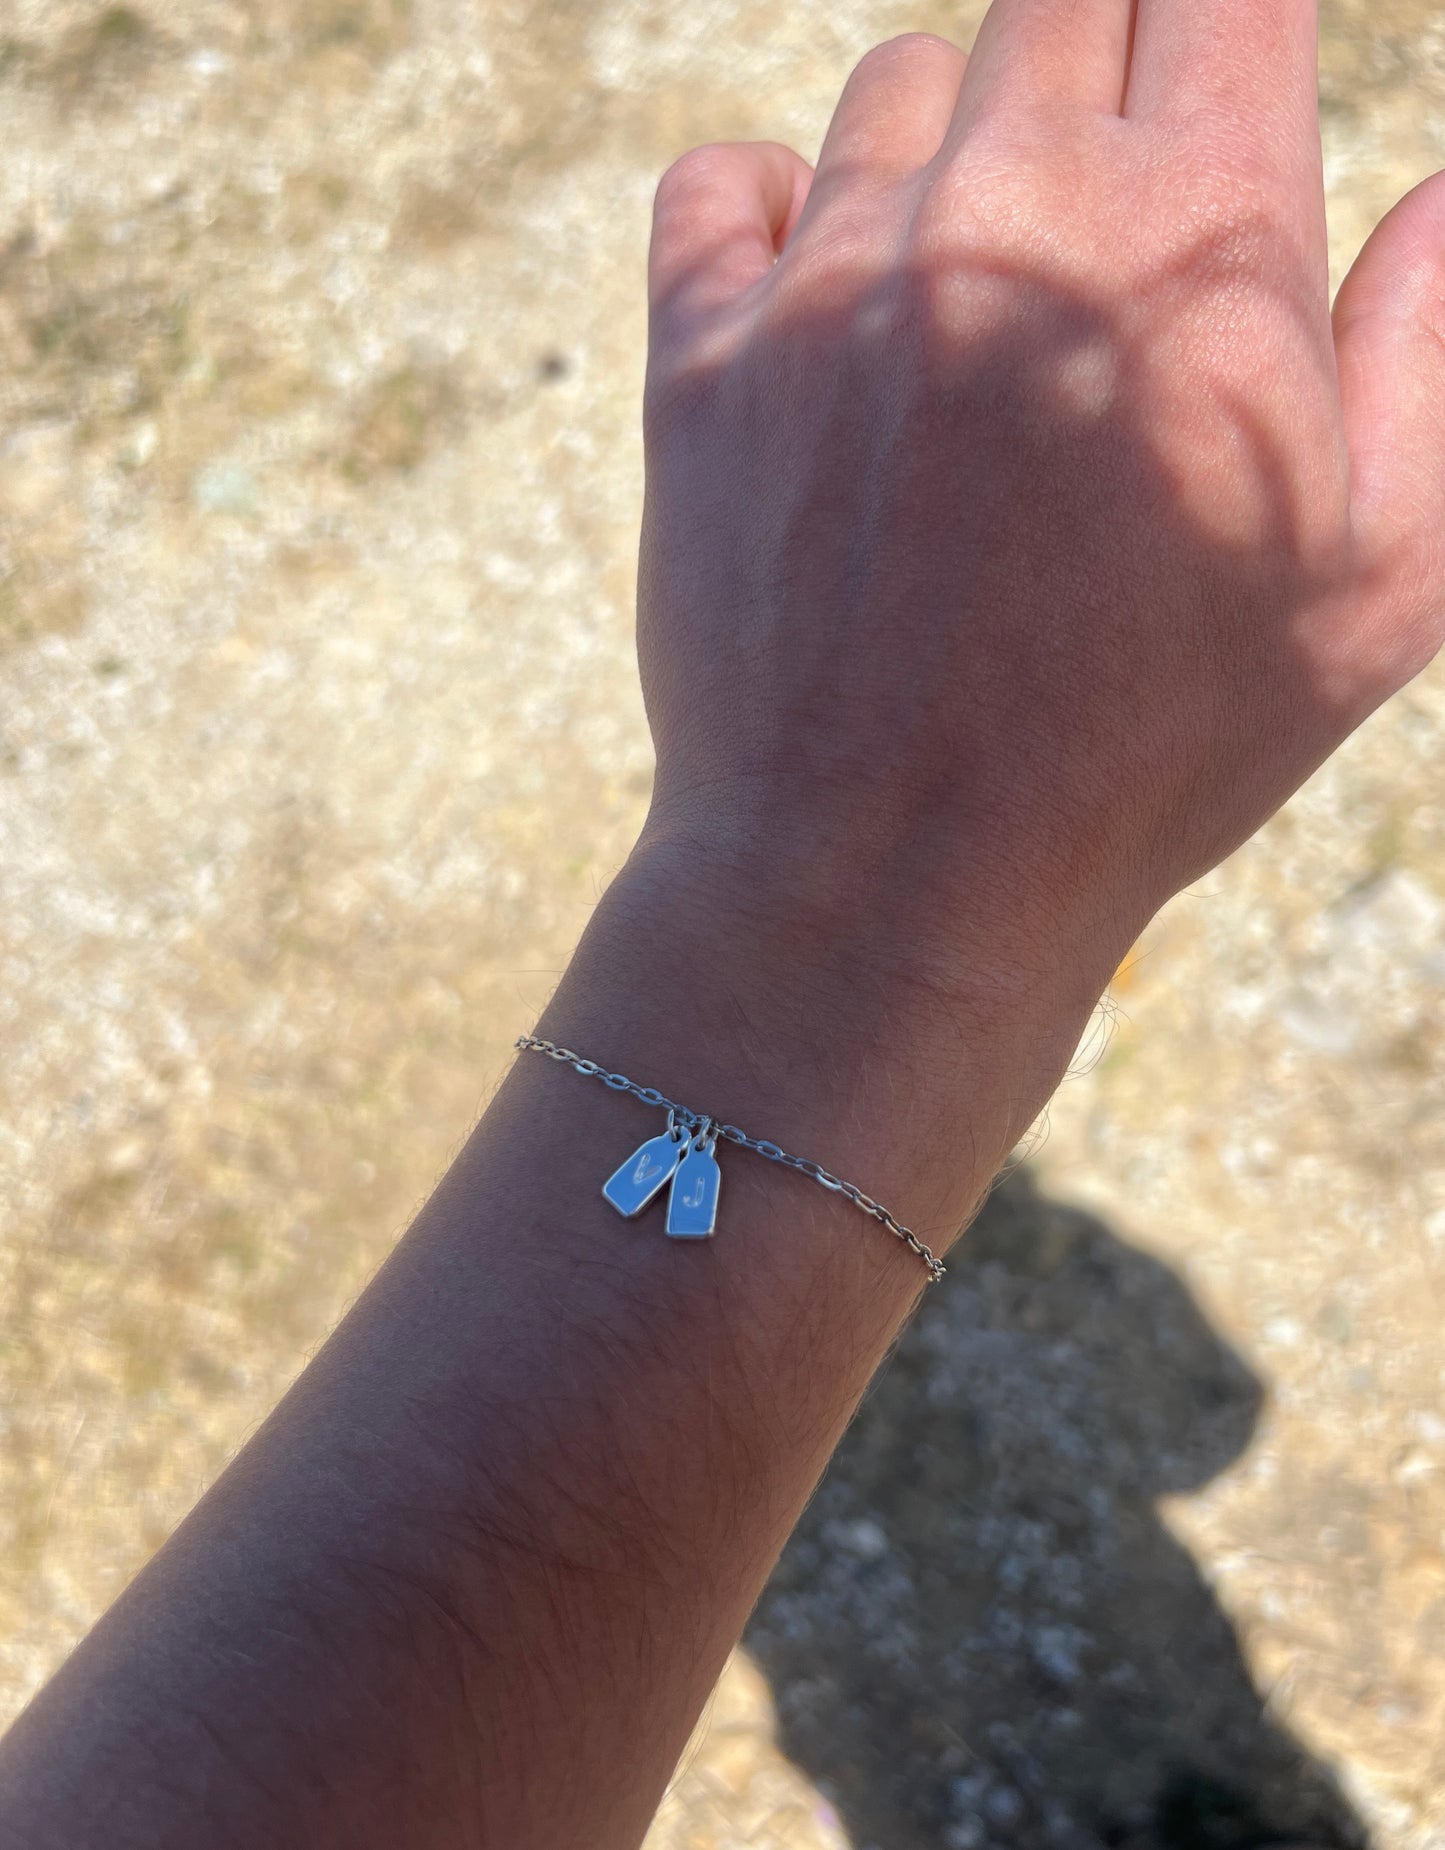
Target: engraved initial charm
point(692, 1204)
point(641, 1177)
point(684, 1158)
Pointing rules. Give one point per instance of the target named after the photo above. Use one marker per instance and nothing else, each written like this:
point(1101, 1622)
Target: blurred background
point(320, 350)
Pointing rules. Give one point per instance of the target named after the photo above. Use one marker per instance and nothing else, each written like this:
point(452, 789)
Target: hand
point(1020, 533)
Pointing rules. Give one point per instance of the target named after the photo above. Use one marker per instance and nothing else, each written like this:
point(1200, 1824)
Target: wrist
point(815, 1006)
point(901, 892)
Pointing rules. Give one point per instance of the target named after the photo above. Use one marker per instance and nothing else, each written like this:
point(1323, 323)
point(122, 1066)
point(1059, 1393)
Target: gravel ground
point(320, 350)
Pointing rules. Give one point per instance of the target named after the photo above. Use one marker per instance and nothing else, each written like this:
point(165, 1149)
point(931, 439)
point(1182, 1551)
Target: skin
point(1020, 531)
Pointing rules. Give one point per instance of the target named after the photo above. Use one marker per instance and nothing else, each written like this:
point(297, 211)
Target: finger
point(1041, 55)
point(722, 216)
point(892, 115)
point(1390, 343)
point(1252, 64)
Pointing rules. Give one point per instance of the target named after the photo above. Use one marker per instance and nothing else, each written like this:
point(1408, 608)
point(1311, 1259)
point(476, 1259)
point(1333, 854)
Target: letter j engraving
point(692, 1204)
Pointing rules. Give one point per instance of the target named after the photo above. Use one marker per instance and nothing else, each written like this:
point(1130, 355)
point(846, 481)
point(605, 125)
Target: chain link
point(694, 1120)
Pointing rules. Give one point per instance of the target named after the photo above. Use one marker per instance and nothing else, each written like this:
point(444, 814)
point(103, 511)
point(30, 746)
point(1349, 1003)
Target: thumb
point(1390, 344)
point(722, 216)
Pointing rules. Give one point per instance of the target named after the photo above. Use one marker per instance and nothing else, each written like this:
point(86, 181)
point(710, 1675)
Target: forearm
point(473, 1582)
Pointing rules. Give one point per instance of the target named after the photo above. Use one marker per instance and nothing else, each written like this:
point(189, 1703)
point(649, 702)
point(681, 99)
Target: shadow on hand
point(981, 1632)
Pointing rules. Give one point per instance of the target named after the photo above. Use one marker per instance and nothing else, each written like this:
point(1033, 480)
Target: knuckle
point(695, 174)
point(1227, 221)
point(973, 203)
point(838, 263)
point(906, 48)
point(1229, 184)
point(980, 213)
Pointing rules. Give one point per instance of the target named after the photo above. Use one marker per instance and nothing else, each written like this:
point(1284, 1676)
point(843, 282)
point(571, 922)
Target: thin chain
point(694, 1120)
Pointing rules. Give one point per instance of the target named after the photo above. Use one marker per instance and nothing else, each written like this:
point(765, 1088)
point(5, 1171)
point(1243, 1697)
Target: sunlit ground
point(320, 344)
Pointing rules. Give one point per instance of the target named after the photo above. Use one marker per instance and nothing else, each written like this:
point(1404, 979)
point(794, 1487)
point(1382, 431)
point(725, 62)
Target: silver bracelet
point(683, 1155)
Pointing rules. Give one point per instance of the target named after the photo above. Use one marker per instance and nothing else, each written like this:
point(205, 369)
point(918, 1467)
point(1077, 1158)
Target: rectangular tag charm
point(692, 1204)
point(643, 1174)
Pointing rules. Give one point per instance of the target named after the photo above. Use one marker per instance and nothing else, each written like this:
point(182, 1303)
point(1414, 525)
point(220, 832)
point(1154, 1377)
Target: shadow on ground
point(982, 1633)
